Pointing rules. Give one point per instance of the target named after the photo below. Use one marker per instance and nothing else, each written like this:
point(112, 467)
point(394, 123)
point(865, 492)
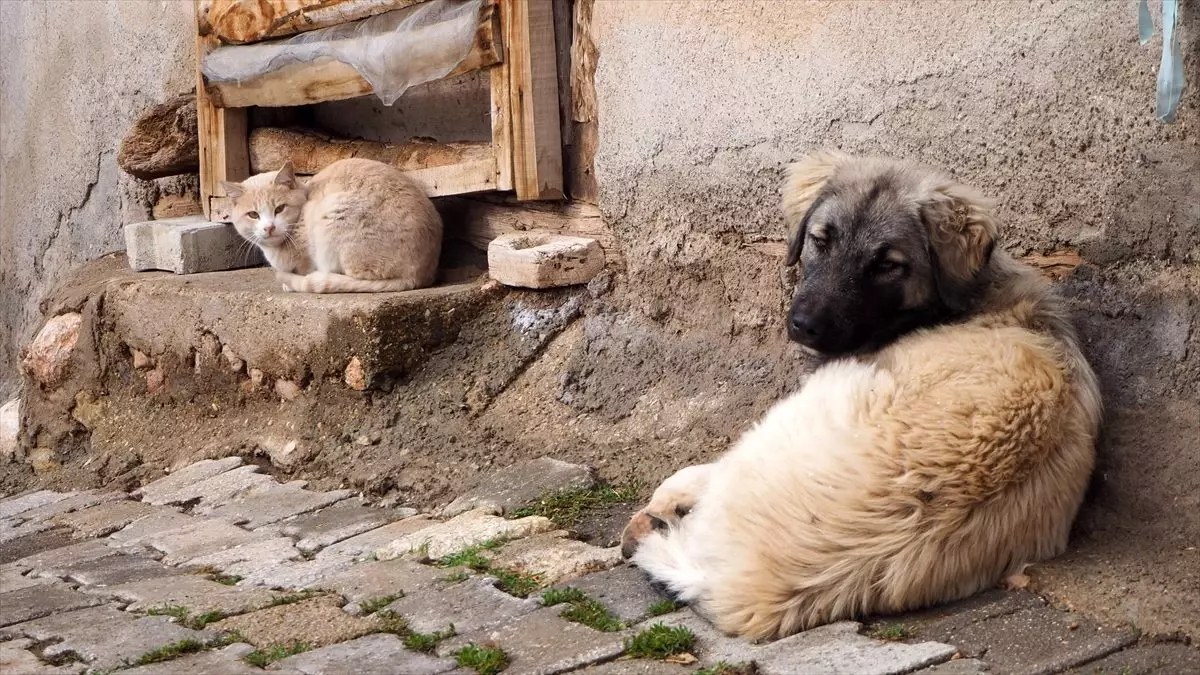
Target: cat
point(358, 226)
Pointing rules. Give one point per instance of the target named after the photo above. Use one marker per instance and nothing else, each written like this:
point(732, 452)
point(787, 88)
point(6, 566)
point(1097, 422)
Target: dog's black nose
point(801, 329)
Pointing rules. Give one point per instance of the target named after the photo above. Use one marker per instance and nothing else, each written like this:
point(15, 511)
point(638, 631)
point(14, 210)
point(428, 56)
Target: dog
point(945, 443)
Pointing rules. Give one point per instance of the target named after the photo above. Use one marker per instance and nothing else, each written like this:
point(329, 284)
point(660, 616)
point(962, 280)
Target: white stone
point(10, 427)
point(543, 260)
point(188, 245)
point(47, 357)
point(469, 529)
point(554, 558)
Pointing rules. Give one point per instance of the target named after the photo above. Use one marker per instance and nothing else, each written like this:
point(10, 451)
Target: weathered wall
point(72, 77)
point(1048, 106)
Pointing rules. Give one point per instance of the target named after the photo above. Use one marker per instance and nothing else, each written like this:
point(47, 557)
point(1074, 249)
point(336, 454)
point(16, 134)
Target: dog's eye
point(886, 266)
point(253, 215)
point(821, 243)
point(279, 209)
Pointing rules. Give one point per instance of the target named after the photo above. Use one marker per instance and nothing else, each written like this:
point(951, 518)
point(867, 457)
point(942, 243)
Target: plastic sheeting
point(391, 51)
point(1170, 68)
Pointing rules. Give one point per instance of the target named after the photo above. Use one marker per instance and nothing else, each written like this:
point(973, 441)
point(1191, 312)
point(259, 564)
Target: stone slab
point(104, 519)
point(187, 245)
point(1155, 659)
point(16, 659)
point(957, 667)
point(543, 260)
point(469, 529)
point(625, 666)
point(196, 540)
point(14, 506)
point(225, 661)
point(14, 578)
point(319, 621)
point(120, 569)
point(43, 563)
point(521, 484)
point(160, 491)
point(218, 490)
point(378, 579)
point(153, 525)
point(336, 523)
point(275, 504)
point(71, 504)
point(382, 654)
point(104, 637)
point(471, 605)
point(197, 594)
point(35, 602)
point(836, 649)
point(553, 558)
point(303, 574)
point(15, 528)
point(249, 560)
point(542, 643)
point(365, 545)
point(34, 543)
point(624, 590)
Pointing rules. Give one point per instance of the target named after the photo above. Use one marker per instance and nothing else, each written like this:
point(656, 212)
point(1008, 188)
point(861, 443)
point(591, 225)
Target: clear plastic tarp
point(392, 51)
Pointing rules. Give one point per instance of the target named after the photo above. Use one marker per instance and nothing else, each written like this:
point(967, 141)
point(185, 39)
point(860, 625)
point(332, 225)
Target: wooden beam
point(533, 93)
point(478, 221)
point(221, 135)
point(327, 79)
point(310, 152)
point(242, 21)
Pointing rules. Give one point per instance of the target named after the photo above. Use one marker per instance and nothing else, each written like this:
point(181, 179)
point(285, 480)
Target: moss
point(483, 660)
point(566, 507)
point(893, 632)
point(660, 641)
point(375, 604)
point(168, 652)
point(663, 607)
point(427, 642)
point(557, 596)
point(582, 609)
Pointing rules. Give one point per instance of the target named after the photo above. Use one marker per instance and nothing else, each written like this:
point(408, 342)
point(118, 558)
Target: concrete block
point(554, 558)
point(187, 246)
point(381, 654)
point(520, 484)
point(470, 529)
point(540, 260)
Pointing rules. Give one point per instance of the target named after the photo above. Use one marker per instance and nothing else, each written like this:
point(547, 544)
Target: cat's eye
point(279, 209)
point(253, 215)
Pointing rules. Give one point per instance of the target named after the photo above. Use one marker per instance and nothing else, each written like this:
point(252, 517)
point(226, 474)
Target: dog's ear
point(802, 192)
point(286, 175)
point(233, 190)
point(962, 234)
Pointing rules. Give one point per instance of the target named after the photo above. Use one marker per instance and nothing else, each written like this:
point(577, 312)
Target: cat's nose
point(269, 229)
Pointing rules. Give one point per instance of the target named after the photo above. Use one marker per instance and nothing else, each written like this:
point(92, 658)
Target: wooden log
point(533, 92)
point(327, 79)
point(478, 221)
point(310, 152)
point(243, 21)
point(221, 133)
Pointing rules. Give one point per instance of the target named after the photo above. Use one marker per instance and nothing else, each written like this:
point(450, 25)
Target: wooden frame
point(515, 42)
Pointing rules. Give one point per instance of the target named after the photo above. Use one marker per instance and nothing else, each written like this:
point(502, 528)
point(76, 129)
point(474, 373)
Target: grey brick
point(542, 643)
point(624, 590)
point(515, 486)
point(382, 654)
point(34, 602)
point(187, 245)
point(470, 605)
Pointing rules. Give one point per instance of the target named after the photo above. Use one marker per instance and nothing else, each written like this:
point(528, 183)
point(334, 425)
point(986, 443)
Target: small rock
point(155, 379)
point(43, 460)
point(355, 377)
point(162, 142)
point(46, 359)
point(256, 377)
point(88, 411)
point(520, 484)
point(10, 427)
point(235, 363)
point(284, 454)
point(533, 260)
point(287, 390)
point(140, 360)
point(600, 285)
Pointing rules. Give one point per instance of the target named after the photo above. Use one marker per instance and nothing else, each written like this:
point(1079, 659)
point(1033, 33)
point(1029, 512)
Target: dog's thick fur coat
point(922, 472)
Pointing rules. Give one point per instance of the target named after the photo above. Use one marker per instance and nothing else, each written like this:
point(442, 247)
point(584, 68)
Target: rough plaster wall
point(1048, 106)
point(73, 76)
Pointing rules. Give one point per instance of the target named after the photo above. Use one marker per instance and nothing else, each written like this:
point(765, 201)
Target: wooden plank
point(478, 221)
point(242, 21)
point(501, 108)
point(224, 154)
point(310, 152)
point(533, 95)
point(327, 79)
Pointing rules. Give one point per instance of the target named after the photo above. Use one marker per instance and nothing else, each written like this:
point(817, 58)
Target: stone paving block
point(957, 667)
point(543, 260)
point(542, 643)
point(15, 506)
point(366, 544)
point(16, 659)
point(192, 591)
point(220, 489)
point(34, 543)
point(377, 579)
point(836, 649)
point(162, 490)
point(298, 575)
point(636, 667)
point(247, 560)
point(104, 519)
point(555, 558)
point(187, 245)
point(520, 484)
point(1172, 658)
point(43, 563)
point(14, 528)
point(116, 570)
point(71, 504)
point(624, 590)
point(263, 508)
point(105, 637)
point(382, 654)
point(470, 605)
point(224, 661)
point(319, 621)
point(34, 602)
point(197, 539)
point(13, 578)
point(460, 532)
point(153, 525)
point(334, 524)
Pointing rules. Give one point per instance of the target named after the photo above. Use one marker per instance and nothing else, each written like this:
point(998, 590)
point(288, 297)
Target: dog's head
point(886, 247)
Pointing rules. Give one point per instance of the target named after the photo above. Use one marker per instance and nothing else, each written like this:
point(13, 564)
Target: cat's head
point(266, 207)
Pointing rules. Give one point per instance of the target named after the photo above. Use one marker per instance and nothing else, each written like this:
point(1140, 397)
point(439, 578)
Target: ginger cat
point(359, 226)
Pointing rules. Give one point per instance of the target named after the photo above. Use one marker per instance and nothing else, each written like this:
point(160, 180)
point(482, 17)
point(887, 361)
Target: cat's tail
point(329, 282)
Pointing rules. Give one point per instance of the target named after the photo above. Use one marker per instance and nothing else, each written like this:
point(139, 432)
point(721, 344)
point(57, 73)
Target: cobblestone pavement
point(219, 568)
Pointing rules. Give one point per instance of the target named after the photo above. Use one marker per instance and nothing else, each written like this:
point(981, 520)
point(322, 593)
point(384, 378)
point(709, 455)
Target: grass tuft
point(566, 507)
point(893, 632)
point(168, 652)
point(455, 577)
point(262, 658)
point(291, 598)
point(226, 579)
point(520, 584)
point(375, 604)
point(660, 641)
point(183, 616)
point(391, 622)
point(557, 596)
point(427, 642)
point(663, 607)
point(582, 609)
point(483, 660)
point(513, 582)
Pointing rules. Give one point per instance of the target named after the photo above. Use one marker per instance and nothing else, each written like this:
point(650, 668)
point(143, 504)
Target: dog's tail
point(328, 282)
point(667, 558)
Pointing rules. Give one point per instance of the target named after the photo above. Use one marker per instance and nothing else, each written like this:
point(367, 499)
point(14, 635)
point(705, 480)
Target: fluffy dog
point(947, 443)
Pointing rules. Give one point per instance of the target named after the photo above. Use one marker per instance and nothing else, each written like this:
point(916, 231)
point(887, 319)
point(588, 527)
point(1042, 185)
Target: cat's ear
point(286, 175)
point(234, 190)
